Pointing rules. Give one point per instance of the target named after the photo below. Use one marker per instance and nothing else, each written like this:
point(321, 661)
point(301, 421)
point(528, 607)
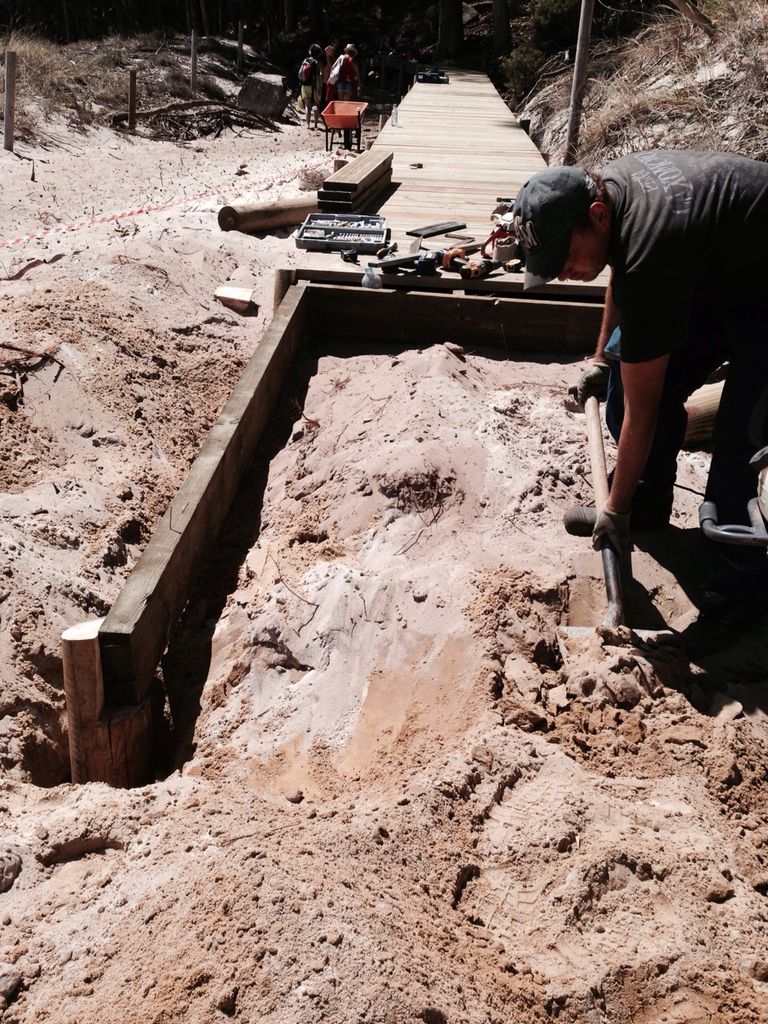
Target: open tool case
point(331, 232)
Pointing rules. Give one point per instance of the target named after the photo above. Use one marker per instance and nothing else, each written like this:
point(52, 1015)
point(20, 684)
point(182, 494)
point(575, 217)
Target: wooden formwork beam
point(134, 634)
point(476, 321)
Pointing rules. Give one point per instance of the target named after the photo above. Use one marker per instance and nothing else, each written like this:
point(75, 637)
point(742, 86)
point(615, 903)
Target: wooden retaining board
point(421, 318)
point(134, 634)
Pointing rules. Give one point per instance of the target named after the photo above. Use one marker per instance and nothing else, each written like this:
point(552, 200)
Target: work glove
point(593, 381)
point(612, 527)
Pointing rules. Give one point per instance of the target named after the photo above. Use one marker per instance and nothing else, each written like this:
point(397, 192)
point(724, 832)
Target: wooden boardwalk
point(457, 149)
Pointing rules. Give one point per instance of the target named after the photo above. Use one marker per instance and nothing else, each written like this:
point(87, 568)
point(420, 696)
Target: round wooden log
point(263, 216)
point(702, 409)
point(106, 744)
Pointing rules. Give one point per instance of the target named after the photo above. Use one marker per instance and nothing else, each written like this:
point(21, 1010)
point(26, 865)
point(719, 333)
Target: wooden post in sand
point(193, 62)
point(239, 46)
point(132, 98)
point(106, 744)
point(10, 99)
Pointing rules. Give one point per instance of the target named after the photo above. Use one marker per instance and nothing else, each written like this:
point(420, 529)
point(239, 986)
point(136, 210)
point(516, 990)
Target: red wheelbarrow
point(345, 116)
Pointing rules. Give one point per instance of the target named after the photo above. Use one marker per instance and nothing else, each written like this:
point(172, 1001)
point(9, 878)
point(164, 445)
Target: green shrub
point(554, 24)
point(520, 68)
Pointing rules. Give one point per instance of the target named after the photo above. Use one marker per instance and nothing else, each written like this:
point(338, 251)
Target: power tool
point(473, 271)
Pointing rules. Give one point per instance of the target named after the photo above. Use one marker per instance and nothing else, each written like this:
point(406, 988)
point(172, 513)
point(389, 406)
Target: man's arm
point(594, 376)
point(608, 325)
point(643, 384)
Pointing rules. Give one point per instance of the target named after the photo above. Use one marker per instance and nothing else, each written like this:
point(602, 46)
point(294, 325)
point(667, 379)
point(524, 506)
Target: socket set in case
point(331, 232)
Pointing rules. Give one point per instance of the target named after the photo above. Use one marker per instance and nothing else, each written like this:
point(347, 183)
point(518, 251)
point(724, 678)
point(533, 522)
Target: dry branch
point(246, 116)
point(689, 10)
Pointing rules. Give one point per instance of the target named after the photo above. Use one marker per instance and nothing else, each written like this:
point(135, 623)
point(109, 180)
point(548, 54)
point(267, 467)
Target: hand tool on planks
point(478, 269)
point(426, 262)
point(456, 258)
point(386, 250)
point(437, 229)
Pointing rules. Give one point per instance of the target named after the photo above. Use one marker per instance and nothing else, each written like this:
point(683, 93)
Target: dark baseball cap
point(547, 209)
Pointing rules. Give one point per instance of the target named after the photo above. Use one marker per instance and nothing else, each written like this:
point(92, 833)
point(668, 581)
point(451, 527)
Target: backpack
point(336, 69)
point(307, 70)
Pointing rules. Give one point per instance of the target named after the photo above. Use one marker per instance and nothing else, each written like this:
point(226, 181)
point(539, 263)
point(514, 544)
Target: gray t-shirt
point(689, 232)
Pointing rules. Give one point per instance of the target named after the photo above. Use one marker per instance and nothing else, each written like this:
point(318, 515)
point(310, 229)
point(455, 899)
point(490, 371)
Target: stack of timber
point(357, 183)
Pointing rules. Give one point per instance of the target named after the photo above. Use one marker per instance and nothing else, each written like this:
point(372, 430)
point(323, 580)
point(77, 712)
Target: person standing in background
point(331, 52)
point(348, 84)
point(311, 81)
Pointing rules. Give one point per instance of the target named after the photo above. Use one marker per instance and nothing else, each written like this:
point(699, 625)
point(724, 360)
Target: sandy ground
point(396, 789)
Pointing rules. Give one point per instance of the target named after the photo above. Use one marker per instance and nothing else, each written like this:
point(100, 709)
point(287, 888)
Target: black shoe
point(721, 622)
point(579, 521)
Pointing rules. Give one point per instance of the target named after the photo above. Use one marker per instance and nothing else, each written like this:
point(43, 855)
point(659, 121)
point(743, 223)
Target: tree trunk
point(502, 40)
point(316, 18)
point(450, 35)
point(290, 15)
point(205, 23)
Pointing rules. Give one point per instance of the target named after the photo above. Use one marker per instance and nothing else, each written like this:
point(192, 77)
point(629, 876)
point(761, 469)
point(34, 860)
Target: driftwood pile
point(194, 119)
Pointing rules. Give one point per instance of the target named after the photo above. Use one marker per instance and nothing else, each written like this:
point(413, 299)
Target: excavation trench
point(377, 760)
point(395, 556)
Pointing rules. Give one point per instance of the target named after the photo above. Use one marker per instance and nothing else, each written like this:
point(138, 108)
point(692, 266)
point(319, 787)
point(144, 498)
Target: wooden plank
point(239, 299)
point(350, 198)
point(497, 284)
point(420, 318)
point(360, 199)
point(134, 634)
point(360, 172)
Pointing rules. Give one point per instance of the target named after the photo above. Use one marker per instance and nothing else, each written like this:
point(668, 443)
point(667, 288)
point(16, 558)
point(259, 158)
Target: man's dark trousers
point(741, 338)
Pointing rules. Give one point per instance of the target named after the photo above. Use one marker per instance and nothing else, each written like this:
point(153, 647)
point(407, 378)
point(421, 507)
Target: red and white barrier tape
point(147, 208)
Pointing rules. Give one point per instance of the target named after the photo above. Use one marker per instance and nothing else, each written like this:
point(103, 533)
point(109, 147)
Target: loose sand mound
point(398, 789)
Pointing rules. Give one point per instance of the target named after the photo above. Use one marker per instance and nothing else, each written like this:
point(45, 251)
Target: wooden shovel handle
point(614, 613)
point(596, 452)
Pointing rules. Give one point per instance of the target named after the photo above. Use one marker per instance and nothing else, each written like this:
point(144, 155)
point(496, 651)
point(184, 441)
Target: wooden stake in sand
point(132, 98)
point(106, 744)
point(10, 99)
point(193, 62)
